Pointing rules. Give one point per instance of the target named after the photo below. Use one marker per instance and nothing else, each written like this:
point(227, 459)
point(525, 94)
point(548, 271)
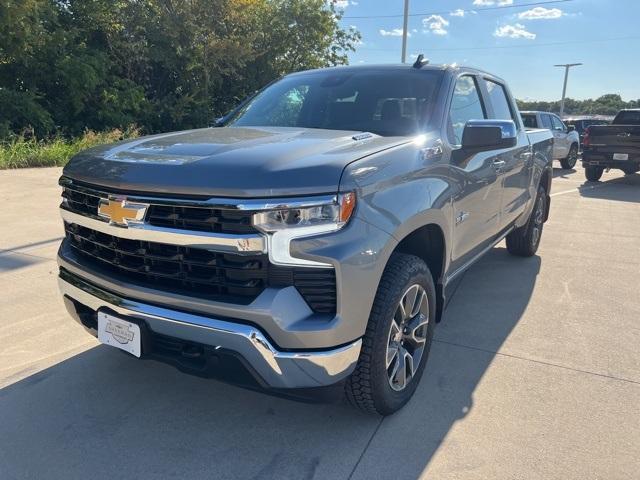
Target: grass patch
point(20, 152)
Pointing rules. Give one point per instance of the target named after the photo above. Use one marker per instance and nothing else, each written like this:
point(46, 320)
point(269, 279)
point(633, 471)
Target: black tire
point(630, 171)
point(592, 173)
point(570, 162)
point(524, 241)
point(369, 387)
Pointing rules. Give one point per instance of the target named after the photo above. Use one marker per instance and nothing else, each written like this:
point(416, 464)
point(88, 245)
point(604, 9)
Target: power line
point(512, 46)
point(477, 10)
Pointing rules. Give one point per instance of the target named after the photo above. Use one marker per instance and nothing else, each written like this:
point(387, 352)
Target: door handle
point(498, 164)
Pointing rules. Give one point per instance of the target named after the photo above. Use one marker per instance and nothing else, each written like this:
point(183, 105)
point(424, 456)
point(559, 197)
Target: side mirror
point(483, 135)
point(217, 122)
point(571, 128)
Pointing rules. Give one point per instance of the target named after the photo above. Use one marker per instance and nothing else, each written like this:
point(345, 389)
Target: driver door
point(476, 198)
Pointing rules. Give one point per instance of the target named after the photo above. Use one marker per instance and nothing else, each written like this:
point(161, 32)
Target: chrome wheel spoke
point(408, 358)
point(392, 354)
point(411, 298)
point(399, 372)
point(418, 329)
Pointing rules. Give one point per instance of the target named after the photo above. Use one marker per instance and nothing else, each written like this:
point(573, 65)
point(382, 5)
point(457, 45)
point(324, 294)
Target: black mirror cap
point(571, 128)
point(481, 135)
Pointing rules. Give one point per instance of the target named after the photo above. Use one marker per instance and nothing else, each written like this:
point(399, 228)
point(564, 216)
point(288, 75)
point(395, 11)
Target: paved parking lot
point(535, 372)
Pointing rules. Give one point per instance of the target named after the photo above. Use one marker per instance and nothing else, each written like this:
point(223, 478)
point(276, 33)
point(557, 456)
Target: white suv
point(566, 141)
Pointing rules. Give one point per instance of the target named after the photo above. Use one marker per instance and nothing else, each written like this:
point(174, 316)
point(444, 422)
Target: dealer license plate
point(119, 333)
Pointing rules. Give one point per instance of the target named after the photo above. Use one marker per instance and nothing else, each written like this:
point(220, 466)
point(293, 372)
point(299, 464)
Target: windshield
point(529, 121)
point(385, 103)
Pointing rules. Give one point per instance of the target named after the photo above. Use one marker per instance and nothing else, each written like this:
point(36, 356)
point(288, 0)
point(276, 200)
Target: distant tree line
point(608, 104)
point(71, 65)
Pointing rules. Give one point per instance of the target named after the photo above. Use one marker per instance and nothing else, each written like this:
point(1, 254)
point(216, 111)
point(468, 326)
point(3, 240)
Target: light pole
point(404, 31)
point(566, 66)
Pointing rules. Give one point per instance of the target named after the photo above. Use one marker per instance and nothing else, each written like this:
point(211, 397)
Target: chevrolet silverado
point(312, 238)
point(613, 146)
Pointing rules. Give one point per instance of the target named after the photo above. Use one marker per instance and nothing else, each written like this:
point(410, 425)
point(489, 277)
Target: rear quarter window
point(529, 121)
point(499, 101)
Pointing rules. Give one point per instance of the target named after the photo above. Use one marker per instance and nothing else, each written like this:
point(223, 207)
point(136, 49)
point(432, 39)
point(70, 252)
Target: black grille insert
point(202, 219)
point(196, 272)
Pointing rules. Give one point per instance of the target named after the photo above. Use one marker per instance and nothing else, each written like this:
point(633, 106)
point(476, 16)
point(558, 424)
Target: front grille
point(196, 272)
point(202, 219)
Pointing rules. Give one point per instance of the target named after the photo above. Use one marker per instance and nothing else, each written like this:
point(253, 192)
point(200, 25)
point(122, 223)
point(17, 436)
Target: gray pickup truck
point(310, 241)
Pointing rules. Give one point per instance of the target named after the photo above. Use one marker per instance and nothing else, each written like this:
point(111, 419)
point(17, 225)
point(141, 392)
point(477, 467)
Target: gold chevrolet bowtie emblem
point(121, 212)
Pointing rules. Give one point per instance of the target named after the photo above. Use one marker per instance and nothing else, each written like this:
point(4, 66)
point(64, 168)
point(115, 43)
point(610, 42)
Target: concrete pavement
point(535, 371)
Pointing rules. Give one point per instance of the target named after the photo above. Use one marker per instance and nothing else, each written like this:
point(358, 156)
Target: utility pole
point(405, 31)
point(566, 66)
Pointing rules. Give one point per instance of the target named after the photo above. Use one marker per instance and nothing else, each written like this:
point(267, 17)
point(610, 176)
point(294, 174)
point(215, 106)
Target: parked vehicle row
point(314, 237)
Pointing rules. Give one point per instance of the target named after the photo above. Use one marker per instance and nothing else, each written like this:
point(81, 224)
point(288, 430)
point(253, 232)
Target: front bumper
point(271, 367)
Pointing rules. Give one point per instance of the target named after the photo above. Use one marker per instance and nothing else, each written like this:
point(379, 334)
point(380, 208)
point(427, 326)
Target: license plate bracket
point(120, 333)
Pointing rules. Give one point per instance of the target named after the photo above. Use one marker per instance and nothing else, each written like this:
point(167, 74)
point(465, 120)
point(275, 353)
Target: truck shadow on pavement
point(101, 414)
point(620, 189)
point(563, 173)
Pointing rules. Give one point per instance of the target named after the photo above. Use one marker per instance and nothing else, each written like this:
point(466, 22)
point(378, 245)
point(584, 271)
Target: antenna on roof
point(420, 61)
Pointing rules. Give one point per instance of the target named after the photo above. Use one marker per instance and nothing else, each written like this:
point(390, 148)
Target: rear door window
point(545, 118)
point(499, 101)
point(529, 121)
point(465, 105)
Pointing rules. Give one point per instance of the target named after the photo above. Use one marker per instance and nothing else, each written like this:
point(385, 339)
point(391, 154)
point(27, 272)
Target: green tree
point(68, 65)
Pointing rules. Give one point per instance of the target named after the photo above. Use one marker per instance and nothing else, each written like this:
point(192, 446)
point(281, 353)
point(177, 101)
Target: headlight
point(302, 219)
point(334, 213)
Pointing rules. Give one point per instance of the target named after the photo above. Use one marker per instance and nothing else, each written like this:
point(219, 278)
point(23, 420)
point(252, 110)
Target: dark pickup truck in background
point(613, 146)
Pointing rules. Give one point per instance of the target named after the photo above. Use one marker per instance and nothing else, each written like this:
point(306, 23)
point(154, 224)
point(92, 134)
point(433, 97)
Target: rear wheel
point(593, 173)
point(570, 162)
point(630, 170)
point(524, 241)
point(398, 338)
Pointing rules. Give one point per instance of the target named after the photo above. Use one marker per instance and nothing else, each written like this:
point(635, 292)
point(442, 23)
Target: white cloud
point(514, 31)
point(341, 4)
point(396, 32)
point(457, 13)
point(540, 13)
point(436, 24)
point(488, 3)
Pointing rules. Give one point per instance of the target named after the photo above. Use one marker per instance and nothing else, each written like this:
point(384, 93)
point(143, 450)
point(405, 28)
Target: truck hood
point(228, 161)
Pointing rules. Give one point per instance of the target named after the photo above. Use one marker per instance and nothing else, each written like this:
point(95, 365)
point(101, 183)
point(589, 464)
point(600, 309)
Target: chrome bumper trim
point(276, 369)
point(219, 242)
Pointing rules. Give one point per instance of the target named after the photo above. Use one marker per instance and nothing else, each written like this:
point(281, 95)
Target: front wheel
point(398, 338)
point(592, 173)
point(570, 162)
point(524, 241)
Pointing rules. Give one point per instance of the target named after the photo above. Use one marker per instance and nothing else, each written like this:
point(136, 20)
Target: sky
point(518, 40)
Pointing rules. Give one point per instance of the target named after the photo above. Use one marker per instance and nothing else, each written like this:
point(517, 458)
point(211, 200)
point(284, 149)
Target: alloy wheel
point(538, 220)
point(407, 337)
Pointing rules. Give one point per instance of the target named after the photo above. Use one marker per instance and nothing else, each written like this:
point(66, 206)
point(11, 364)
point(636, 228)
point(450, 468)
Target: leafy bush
point(21, 152)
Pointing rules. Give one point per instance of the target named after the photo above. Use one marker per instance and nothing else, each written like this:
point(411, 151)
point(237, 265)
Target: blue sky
point(520, 43)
